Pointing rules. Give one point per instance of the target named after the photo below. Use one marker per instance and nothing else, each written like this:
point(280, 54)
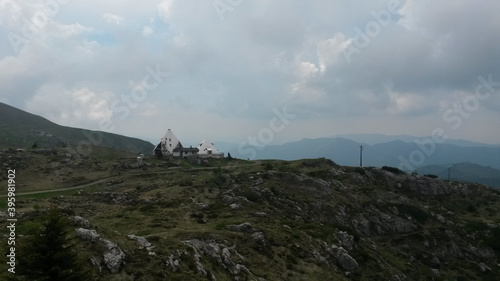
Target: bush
point(471, 208)
point(494, 240)
point(48, 253)
point(268, 166)
point(431, 176)
point(218, 177)
point(251, 196)
point(393, 170)
point(476, 226)
point(415, 212)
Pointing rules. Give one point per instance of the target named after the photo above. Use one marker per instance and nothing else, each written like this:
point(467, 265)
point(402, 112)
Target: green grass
point(173, 213)
point(22, 199)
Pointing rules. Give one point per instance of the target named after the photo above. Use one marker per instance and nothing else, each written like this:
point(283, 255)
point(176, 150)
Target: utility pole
point(361, 156)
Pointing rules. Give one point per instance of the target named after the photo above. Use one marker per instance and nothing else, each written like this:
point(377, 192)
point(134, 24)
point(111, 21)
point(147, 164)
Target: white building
point(171, 146)
point(207, 149)
point(169, 143)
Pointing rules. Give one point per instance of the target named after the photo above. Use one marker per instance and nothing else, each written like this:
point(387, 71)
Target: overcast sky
point(276, 70)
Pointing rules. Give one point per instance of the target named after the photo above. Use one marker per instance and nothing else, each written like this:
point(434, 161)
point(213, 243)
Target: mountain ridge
point(408, 156)
point(21, 129)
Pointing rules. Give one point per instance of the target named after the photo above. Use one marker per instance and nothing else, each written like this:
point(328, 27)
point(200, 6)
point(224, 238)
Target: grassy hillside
point(169, 219)
point(19, 129)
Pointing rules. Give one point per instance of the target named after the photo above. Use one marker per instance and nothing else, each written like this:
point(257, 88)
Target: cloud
point(262, 55)
point(165, 9)
point(73, 107)
point(329, 50)
point(112, 18)
point(147, 30)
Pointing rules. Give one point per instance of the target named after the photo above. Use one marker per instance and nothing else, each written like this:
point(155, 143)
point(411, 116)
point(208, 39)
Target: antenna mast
point(361, 156)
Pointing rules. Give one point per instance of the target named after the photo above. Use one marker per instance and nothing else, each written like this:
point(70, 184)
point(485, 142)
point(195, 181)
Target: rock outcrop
point(113, 256)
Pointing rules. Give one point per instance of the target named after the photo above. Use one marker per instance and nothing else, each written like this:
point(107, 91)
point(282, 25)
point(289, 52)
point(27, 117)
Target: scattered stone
point(440, 218)
point(114, 256)
point(218, 252)
point(298, 219)
point(483, 267)
point(259, 238)
point(203, 206)
point(143, 243)
point(174, 263)
point(435, 272)
point(96, 263)
point(435, 261)
point(244, 227)
point(87, 234)
point(82, 222)
point(235, 206)
point(259, 181)
point(346, 240)
point(260, 214)
point(345, 261)
point(229, 199)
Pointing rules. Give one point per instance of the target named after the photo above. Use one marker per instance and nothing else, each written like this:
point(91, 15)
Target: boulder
point(344, 260)
point(244, 227)
point(346, 240)
point(81, 222)
point(87, 234)
point(259, 238)
point(220, 253)
point(235, 206)
point(143, 243)
point(260, 214)
point(113, 257)
point(483, 267)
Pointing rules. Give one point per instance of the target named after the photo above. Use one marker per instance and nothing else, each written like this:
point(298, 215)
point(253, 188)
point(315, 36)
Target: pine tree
point(48, 253)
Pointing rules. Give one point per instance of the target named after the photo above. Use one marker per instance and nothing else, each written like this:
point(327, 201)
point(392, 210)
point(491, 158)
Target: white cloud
point(410, 13)
point(329, 50)
point(165, 9)
point(307, 69)
point(264, 55)
point(406, 103)
point(112, 18)
point(147, 30)
point(73, 107)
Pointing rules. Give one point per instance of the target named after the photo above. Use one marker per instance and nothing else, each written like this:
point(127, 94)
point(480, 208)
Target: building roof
point(206, 147)
point(186, 149)
point(170, 142)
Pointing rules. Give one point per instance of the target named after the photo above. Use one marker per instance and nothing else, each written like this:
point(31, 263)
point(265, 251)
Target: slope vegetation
point(19, 129)
point(168, 219)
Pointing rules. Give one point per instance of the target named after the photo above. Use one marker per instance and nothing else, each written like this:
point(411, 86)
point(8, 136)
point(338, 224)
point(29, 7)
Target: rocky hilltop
point(168, 219)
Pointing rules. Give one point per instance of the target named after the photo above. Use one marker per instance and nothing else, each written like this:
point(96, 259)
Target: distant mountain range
point(373, 139)
point(469, 161)
point(481, 161)
point(20, 129)
point(464, 172)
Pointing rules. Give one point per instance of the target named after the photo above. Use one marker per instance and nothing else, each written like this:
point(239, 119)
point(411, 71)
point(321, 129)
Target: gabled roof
point(170, 142)
point(206, 147)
